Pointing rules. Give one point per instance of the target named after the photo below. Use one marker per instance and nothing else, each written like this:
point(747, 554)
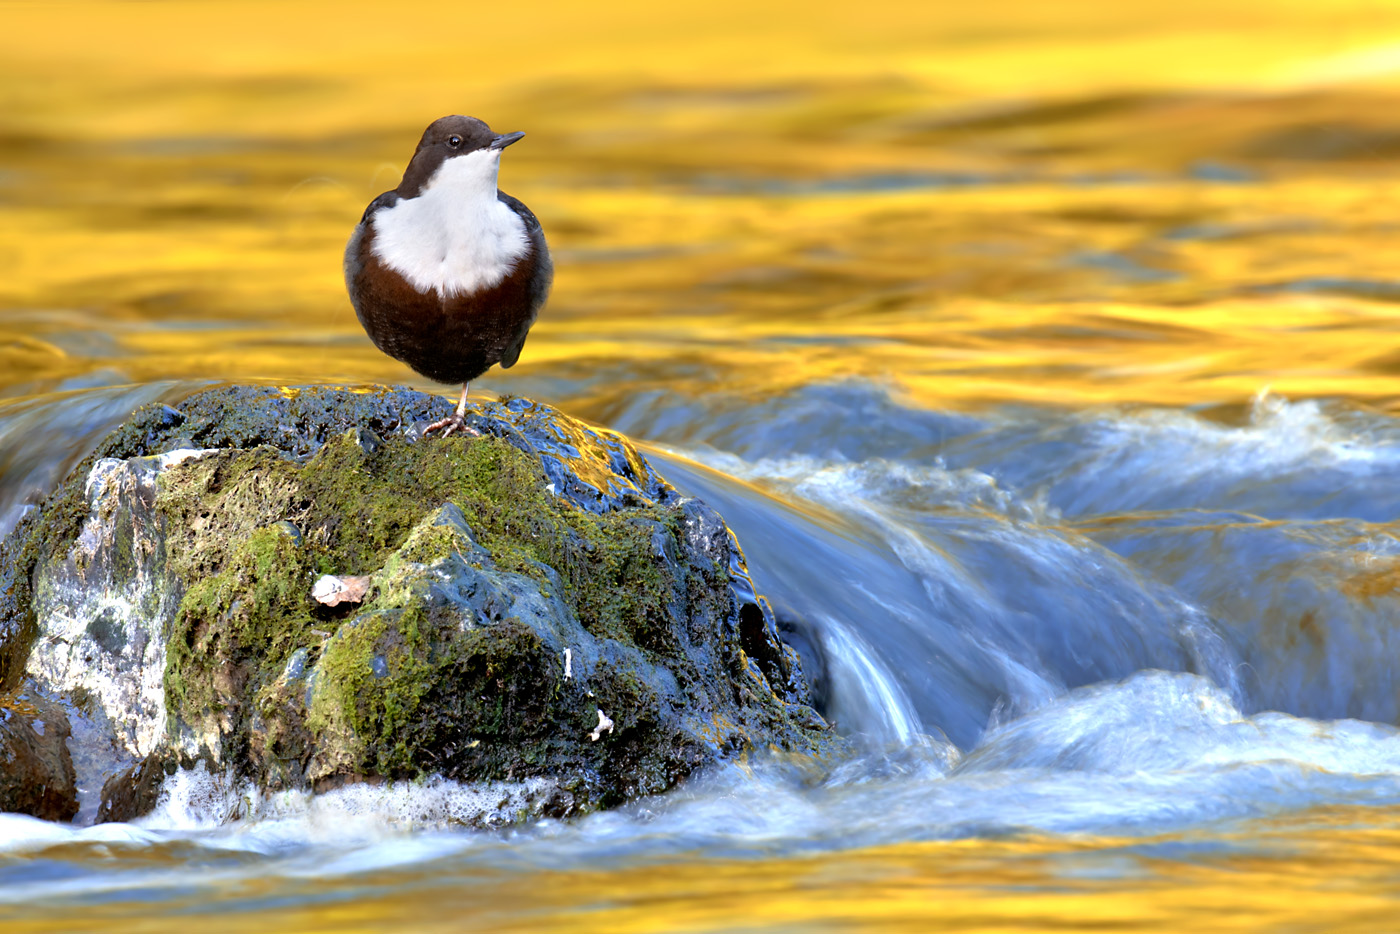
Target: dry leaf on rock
point(333, 591)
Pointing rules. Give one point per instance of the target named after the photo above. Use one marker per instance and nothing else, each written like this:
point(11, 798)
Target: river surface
point(1044, 362)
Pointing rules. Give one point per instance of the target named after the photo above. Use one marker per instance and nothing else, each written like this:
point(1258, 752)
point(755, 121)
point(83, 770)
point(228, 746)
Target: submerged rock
point(535, 606)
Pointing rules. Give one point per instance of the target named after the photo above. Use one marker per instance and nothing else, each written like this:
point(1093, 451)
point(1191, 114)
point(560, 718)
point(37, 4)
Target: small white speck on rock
point(605, 724)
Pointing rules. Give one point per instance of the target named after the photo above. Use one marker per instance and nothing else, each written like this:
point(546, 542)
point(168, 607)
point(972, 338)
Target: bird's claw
point(450, 424)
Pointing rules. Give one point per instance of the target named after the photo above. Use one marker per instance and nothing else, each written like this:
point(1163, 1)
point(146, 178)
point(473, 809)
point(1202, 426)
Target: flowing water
point(1043, 358)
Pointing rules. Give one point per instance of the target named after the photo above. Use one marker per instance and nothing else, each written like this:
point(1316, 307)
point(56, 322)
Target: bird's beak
point(505, 139)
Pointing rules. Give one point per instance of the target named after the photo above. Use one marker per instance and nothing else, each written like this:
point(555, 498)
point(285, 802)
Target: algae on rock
point(523, 586)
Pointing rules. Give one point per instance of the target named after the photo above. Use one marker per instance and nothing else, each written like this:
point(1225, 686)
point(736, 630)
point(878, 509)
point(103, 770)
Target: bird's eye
point(454, 140)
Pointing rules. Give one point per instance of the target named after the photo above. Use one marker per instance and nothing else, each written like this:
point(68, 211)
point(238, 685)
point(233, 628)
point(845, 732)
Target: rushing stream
point(1091, 625)
point(1044, 364)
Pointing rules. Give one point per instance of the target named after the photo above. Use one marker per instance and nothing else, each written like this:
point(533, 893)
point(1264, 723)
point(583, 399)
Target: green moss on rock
point(520, 583)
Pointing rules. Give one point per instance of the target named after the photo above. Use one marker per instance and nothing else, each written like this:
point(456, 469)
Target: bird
point(446, 272)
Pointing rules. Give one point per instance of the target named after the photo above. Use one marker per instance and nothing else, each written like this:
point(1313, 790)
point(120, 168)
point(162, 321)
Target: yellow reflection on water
point(1328, 871)
point(1075, 202)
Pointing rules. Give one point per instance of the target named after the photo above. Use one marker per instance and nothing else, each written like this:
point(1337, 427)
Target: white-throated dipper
point(447, 272)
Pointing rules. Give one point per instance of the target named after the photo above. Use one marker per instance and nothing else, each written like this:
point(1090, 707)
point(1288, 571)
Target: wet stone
point(296, 665)
point(105, 629)
point(36, 769)
point(290, 530)
point(172, 600)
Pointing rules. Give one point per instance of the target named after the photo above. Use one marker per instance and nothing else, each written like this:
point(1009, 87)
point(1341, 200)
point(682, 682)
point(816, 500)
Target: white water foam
point(1288, 460)
point(883, 482)
point(1158, 721)
point(198, 799)
point(1154, 753)
point(1279, 434)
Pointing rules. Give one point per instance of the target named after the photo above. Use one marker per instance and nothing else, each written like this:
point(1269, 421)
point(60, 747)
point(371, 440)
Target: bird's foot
point(450, 424)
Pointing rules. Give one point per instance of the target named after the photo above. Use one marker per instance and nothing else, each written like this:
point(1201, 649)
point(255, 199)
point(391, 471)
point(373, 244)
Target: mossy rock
point(523, 588)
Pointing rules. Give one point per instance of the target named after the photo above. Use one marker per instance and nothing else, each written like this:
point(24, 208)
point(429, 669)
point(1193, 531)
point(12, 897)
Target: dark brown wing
point(353, 261)
point(540, 281)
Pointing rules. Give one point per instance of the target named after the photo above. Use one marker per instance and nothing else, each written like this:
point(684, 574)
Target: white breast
point(456, 236)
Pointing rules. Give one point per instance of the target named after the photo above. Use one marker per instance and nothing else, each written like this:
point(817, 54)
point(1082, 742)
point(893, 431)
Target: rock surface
point(36, 770)
point(539, 609)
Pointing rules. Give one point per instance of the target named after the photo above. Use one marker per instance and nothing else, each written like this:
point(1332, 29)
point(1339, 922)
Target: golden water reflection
point(1176, 204)
point(1332, 870)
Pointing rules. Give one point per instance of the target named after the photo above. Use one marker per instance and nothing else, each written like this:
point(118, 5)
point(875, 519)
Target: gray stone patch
point(105, 607)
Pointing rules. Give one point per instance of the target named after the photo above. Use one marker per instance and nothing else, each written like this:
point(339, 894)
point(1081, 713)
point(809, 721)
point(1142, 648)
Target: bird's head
point(473, 148)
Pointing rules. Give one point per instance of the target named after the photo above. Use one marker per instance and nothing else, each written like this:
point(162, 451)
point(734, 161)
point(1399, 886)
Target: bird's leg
point(456, 421)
